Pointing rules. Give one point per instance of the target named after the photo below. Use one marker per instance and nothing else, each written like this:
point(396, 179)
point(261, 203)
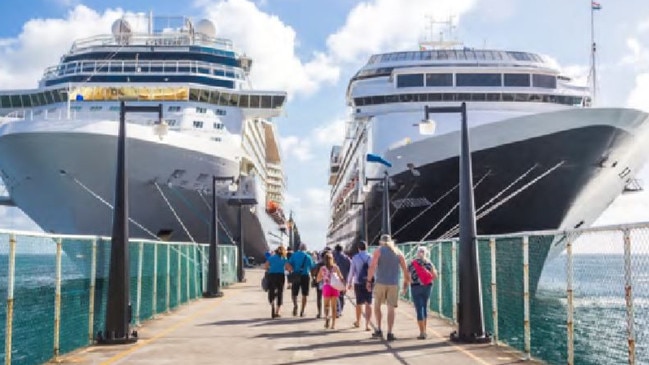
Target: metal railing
point(55, 288)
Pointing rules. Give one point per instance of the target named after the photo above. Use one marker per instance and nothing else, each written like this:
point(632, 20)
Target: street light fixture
point(214, 259)
point(470, 321)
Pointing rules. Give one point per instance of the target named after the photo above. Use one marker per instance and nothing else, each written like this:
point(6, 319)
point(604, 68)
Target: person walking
point(275, 265)
point(344, 263)
point(300, 262)
point(329, 293)
point(422, 274)
point(318, 285)
point(384, 269)
point(357, 279)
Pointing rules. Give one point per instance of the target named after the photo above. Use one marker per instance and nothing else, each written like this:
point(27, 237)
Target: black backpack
point(362, 276)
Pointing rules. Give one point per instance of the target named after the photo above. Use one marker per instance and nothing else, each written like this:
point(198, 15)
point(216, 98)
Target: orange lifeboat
point(271, 207)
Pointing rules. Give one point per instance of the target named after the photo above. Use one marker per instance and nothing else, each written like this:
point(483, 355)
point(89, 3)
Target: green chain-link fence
point(164, 275)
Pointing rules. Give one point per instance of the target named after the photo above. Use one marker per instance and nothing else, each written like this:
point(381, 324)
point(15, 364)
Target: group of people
point(373, 278)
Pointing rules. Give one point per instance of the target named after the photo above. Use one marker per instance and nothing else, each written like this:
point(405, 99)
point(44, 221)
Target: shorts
point(328, 291)
point(304, 284)
point(363, 296)
point(386, 293)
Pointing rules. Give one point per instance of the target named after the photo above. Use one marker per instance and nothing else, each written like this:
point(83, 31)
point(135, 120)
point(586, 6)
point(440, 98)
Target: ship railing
point(152, 40)
point(116, 67)
point(55, 287)
point(573, 297)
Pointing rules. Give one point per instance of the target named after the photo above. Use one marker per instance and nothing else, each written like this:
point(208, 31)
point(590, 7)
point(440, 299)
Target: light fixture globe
point(427, 127)
point(161, 129)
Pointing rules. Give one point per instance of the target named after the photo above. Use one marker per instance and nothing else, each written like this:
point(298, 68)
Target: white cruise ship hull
point(555, 170)
point(62, 175)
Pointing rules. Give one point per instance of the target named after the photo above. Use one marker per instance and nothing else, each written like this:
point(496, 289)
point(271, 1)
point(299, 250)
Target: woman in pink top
point(329, 294)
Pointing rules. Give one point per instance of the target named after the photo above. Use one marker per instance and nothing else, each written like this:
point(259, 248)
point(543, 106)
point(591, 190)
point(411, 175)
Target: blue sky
point(312, 47)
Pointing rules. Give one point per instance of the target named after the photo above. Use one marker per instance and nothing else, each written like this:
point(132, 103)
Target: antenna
point(446, 29)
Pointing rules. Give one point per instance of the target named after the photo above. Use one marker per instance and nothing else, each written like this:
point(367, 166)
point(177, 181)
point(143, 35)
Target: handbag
point(336, 282)
point(295, 277)
point(264, 281)
point(425, 276)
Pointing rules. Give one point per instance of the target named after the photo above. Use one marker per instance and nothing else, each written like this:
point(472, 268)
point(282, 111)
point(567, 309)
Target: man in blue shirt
point(300, 262)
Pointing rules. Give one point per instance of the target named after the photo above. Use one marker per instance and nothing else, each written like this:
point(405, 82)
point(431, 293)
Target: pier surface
point(237, 329)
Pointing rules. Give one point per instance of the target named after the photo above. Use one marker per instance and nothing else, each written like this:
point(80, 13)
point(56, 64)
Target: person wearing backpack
point(422, 273)
point(356, 279)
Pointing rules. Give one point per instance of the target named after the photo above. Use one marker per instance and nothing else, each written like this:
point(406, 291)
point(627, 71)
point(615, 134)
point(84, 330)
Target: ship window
point(15, 101)
point(216, 139)
point(201, 110)
point(49, 96)
point(5, 102)
point(234, 100)
point(60, 95)
point(434, 97)
point(358, 101)
point(544, 81)
point(517, 80)
point(224, 99)
point(193, 94)
point(266, 101)
point(278, 101)
point(114, 108)
point(439, 79)
point(493, 97)
point(26, 100)
point(95, 108)
point(367, 100)
point(243, 100)
point(219, 111)
point(478, 97)
point(254, 101)
point(198, 124)
point(413, 80)
point(405, 98)
point(170, 122)
point(41, 99)
point(217, 125)
point(521, 97)
point(378, 99)
point(463, 97)
point(508, 97)
point(448, 97)
point(478, 79)
point(174, 108)
point(204, 96)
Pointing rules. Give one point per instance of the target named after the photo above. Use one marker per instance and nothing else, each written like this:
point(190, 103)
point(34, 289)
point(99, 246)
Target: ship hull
point(64, 180)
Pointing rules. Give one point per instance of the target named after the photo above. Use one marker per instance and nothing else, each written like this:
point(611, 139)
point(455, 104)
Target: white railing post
point(494, 290)
point(187, 271)
point(454, 278)
point(196, 292)
point(571, 308)
point(91, 295)
point(628, 296)
point(57, 300)
point(154, 300)
point(138, 292)
point(439, 280)
point(10, 298)
point(526, 297)
point(168, 284)
point(178, 272)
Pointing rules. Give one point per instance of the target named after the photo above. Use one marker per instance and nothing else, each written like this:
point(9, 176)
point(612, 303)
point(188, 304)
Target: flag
point(595, 5)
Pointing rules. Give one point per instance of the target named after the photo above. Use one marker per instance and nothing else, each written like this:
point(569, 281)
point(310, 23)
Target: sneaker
point(327, 323)
point(294, 310)
point(318, 315)
point(377, 334)
point(302, 313)
point(391, 337)
point(422, 336)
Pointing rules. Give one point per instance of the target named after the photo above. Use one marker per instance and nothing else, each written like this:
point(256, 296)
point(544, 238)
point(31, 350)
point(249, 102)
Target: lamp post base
point(218, 294)
point(472, 338)
point(101, 340)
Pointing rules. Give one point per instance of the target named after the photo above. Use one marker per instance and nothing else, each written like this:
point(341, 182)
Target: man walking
point(343, 262)
point(357, 279)
point(384, 268)
point(300, 262)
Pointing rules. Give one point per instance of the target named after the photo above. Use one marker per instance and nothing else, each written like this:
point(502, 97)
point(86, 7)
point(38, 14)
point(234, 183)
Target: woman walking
point(422, 273)
point(275, 267)
point(329, 293)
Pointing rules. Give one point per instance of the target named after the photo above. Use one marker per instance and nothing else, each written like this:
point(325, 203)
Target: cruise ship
point(58, 142)
point(543, 157)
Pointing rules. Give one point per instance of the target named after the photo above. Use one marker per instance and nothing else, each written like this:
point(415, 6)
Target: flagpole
point(593, 65)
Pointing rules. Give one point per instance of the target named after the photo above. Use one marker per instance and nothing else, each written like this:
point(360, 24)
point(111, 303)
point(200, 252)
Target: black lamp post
point(363, 218)
point(118, 306)
point(244, 196)
point(214, 260)
point(470, 321)
point(385, 222)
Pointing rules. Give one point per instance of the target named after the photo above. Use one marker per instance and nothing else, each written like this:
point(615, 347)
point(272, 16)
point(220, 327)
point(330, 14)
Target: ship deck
point(237, 327)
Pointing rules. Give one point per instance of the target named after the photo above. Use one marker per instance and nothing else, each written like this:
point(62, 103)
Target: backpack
point(362, 276)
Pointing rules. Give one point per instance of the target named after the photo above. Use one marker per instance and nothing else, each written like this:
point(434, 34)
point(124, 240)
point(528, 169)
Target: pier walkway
point(237, 329)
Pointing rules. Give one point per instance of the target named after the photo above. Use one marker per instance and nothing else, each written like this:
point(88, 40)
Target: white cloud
point(375, 26)
point(311, 213)
point(638, 55)
point(271, 44)
point(330, 134)
point(639, 96)
point(296, 147)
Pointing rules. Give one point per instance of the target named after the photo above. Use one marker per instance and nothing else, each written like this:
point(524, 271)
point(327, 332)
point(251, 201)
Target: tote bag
point(336, 282)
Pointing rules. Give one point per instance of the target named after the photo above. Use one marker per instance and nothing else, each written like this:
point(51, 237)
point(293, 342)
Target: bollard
point(57, 301)
point(10, 298)
point(138, 291)
point(494, 290)
point(454, 278)
point(571, 307)
point(154, 301)
point(526, 296)
point(91, 296)
point(628, 296)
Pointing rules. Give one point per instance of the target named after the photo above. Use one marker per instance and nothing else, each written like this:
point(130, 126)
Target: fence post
point(439, 279)
point(196, 292)
point(454, 278)
point(494, 290)
point(57, 300)
point(179, 273)
point(571, 308)
point(628, 296)
point(154, 301)
point(168, 283)
point(91, 298)
point(10, 297)
point(187, 271)
point(526, 296)
point(138, 292)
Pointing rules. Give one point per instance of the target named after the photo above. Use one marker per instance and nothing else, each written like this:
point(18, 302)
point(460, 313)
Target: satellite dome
point(206, 27)
point(121, 26)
